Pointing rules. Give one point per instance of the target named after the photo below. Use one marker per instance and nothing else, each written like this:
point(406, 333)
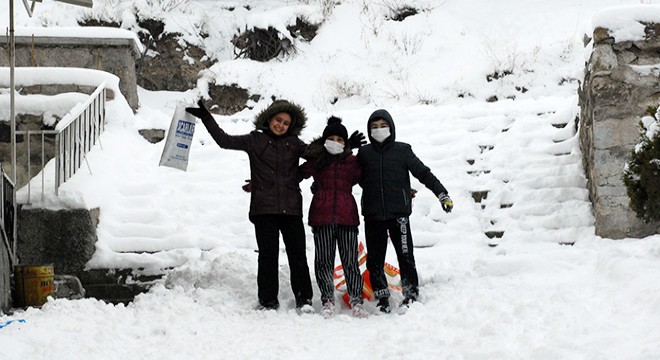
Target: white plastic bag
point(179, 138)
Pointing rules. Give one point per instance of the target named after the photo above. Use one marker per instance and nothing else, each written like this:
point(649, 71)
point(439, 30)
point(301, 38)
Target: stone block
point(616, 133)
point(602, 36)
point(607, 164)
point(152, 135)
point(603, 58)
point(620, 222)
point(611, 191)
point(65, 238)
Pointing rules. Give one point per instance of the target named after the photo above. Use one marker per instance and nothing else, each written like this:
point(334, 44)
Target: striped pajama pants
point(326, 239)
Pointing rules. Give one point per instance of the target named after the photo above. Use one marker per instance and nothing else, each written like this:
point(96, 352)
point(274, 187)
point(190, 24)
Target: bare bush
point(408, 44)
point(261, 44)
point(166, 5)
point(327, 6)
point(343, 89)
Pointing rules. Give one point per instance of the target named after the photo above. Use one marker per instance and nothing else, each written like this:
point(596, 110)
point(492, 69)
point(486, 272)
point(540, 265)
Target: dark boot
point(384, 305)
point(407, 301)
point(269, 305)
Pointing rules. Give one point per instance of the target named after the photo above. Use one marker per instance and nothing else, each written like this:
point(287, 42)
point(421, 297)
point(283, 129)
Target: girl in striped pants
point(333, 214)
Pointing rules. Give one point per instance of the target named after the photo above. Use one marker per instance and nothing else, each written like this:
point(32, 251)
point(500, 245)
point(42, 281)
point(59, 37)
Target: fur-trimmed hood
point(298, 116)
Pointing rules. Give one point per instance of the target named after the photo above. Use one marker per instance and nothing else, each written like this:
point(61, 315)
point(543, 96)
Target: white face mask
point(334, 147)
point(380, 134)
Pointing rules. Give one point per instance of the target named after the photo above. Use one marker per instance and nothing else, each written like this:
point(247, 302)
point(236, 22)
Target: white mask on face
point(380, 134)
point(334, 147)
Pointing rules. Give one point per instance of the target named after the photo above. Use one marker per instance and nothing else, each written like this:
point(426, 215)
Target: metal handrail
point(74, 136)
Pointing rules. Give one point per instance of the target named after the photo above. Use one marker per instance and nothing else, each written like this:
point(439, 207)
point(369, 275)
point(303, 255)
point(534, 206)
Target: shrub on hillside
point(261, 44)
point(642, 172)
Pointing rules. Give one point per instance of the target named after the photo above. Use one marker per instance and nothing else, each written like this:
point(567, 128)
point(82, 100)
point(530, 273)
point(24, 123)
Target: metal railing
point(7, 216)
point(74, 137)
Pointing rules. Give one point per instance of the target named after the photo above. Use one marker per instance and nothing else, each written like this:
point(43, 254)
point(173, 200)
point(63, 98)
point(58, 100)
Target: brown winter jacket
point(334, 178)
point(273, 159)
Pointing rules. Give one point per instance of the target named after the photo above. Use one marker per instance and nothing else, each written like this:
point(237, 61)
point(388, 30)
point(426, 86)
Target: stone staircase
point(66, 238)
point(116, 286)
point(525, 194)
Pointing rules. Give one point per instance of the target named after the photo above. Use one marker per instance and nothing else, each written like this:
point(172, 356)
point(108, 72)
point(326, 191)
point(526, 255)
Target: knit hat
point(335, 128)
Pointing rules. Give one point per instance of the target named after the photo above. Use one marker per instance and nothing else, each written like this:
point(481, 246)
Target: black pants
point(376, 233)
point(326, 239)
point(267, 229)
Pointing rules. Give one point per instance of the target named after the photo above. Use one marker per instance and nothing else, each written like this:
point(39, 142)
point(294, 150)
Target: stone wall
point(622, 79)
point(116, 56)
point(65, 238)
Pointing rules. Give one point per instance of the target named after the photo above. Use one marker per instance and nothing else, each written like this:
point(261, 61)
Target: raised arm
point(225, 141)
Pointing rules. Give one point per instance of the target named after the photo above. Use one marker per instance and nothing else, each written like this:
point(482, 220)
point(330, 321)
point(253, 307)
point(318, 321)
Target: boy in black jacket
point(386, 205)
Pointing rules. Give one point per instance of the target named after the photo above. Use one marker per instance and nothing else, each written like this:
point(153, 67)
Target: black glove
point(356, 140)
point(248, 186)
point(446, 202)
point(313, 187)
point(200, 112)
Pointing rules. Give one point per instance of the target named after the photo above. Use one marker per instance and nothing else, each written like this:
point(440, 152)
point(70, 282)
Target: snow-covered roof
point(79, 35)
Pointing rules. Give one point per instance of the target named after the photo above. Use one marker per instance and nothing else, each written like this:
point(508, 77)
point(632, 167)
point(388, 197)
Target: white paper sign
point(179, 138)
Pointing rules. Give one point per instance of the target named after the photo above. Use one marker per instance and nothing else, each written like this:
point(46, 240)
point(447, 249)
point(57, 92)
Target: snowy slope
point(430, 71)
point(529, 297)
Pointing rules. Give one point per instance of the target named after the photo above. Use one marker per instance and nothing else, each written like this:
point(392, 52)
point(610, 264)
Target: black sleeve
point(225, 141)
point(423, 173)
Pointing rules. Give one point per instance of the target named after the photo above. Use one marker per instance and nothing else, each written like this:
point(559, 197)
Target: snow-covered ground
point(529, 297)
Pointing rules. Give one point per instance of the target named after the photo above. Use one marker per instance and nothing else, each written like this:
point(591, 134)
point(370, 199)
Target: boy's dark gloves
point(356, 140)
point(446, 202)
point(200, 112)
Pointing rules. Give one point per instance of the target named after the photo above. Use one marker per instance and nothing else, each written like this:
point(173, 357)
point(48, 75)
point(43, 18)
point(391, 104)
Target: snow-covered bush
point(642, 172)
point(261, 44)
point(327, 6)
point(166, 5)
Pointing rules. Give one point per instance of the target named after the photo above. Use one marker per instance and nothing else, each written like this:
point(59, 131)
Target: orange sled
point(391, 271)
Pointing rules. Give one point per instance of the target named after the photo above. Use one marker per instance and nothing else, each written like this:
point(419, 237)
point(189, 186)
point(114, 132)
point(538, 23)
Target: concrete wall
point(65, 238)
point(116, 56)
point(622, 79)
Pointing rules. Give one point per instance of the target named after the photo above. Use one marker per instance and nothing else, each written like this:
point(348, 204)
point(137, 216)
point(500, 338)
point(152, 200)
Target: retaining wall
point(116, 56)
point(622, 79)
